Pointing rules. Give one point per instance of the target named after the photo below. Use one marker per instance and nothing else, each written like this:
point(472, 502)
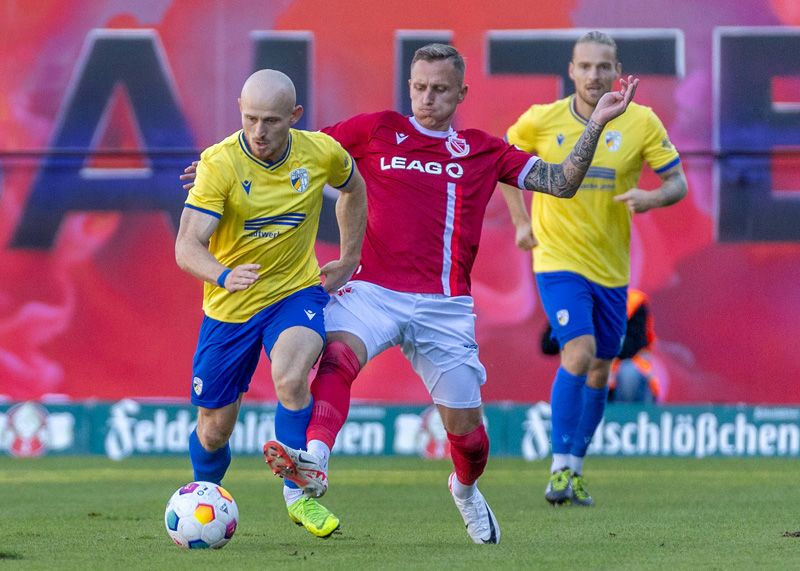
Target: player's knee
point(458, 421)
point(577, 355)
point(339, 355)
point(213, 435)
point(291, 389)
point(344, 350)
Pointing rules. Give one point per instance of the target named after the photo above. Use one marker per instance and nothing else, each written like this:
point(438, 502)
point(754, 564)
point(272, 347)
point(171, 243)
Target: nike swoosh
point(492, 530)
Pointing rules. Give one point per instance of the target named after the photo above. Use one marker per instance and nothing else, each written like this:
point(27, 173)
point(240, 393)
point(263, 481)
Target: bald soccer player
point(247, 231)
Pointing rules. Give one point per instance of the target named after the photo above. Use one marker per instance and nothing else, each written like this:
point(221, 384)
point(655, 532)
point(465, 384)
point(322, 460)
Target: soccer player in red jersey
point(428, 186)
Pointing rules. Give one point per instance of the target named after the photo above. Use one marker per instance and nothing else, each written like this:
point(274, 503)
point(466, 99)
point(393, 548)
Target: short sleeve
point(514, 165)
point(341, 165)
point(210, 186)
point(354, 133)
point(659, 152)
point(523, 132)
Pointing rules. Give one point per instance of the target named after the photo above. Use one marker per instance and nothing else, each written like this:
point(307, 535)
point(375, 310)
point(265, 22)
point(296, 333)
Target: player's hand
point(638, 200)
point(614, 103)
point(242, 277)
point(336, 274)
point(524, 237)
point(188, 176)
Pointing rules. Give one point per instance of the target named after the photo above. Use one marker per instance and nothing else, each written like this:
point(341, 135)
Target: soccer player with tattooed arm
point(581, 247)
point(412, 287)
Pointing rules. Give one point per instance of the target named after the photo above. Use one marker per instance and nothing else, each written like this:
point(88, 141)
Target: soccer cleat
point(297, 466)
point(559, 487)
point(481, 524)
point(313, 516)
point(580, 495)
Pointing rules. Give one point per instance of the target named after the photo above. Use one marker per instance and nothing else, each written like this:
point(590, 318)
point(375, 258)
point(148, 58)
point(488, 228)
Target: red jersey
point(427, 193)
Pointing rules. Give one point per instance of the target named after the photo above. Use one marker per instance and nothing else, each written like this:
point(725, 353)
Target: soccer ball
point(200, 515)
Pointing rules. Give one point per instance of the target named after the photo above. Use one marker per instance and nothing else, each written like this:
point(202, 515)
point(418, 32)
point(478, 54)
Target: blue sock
point(566, 402)
point(208, 466)
point(594, 404)
point(290, 428)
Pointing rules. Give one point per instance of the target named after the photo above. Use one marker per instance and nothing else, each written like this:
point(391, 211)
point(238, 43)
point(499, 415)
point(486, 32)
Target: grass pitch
point(651, 513)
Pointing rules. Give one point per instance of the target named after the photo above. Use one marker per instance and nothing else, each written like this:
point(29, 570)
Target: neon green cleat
point(559, 487)
point(580, 495)
point(312, 515)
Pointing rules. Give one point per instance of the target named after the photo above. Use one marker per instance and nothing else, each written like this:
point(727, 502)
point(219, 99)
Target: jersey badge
point(246, 185)
point(299, 179)
point(197, 385)
point(457, 146)
point(613, 140)
point(560, 139)
point(400, 137)
point(562, 315)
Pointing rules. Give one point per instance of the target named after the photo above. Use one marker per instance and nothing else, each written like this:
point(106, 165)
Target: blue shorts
point(576, 306)
point(227, 353)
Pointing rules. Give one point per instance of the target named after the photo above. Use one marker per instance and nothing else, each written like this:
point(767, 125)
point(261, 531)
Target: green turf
point(91, 513)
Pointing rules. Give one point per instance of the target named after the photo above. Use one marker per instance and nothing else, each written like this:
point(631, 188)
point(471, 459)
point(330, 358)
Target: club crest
point(613, 140)
point(562, 315)
point(457, 146)
point(299, 179)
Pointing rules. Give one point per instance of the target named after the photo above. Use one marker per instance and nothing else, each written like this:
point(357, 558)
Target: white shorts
point(435, 332)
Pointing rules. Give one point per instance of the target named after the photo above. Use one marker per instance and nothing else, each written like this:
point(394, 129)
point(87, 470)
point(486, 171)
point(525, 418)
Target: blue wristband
point(222, 276)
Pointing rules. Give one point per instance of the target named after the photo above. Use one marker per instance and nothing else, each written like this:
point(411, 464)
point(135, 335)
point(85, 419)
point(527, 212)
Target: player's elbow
point(570, 191)
point(181, 255)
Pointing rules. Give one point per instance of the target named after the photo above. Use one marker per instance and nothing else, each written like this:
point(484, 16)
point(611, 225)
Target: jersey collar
point(266, 164)
point(438, 134)
point(574, 110)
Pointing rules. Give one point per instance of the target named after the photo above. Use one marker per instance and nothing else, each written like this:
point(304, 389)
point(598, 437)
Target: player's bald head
point(269, 87)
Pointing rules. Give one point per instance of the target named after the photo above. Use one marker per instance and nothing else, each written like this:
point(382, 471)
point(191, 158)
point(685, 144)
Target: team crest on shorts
point(197, 385)
point(562, 315)
point(613, 140)
point(299, 179)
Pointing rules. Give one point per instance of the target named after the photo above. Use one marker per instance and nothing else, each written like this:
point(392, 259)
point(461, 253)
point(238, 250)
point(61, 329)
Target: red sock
point(331, 390)
point(470, 452)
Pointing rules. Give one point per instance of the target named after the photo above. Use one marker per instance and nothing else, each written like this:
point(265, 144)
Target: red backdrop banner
point(92, 304)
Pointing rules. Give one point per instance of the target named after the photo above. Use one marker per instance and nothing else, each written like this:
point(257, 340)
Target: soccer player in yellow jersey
point(582, 260)
point(248, 231)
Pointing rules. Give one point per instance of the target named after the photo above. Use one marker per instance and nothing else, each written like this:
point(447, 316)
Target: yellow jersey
point(268, 214)
point(589, 234)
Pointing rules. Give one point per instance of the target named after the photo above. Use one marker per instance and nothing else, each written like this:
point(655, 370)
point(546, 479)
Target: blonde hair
point(441, 52)
point(596, 37)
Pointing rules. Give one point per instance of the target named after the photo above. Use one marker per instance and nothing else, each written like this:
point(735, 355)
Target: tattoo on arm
point(563, 180)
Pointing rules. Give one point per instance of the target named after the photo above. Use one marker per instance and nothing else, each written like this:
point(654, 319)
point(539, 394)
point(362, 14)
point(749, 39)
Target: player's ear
point(571, 69)
point(296, 114)
point(618, 67)
point(462, 94)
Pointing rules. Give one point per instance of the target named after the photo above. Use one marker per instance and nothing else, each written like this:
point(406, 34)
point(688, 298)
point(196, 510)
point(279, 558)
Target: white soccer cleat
point(481, 524)
point(297, 466)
